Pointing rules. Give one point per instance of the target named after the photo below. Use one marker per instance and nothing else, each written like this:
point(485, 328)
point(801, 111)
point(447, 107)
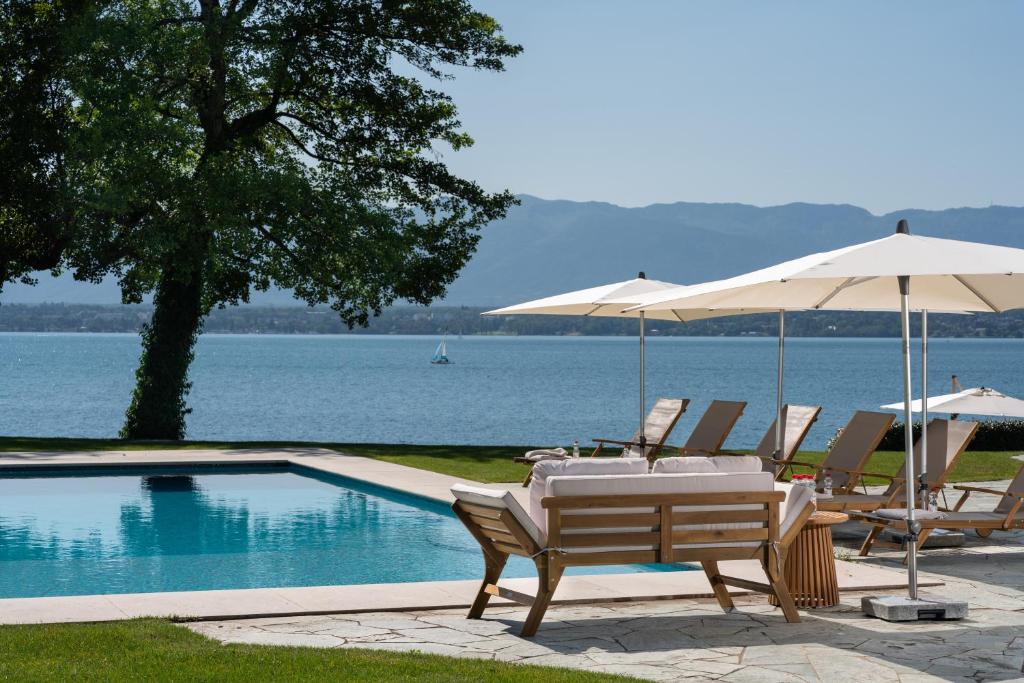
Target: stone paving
point(693, 640)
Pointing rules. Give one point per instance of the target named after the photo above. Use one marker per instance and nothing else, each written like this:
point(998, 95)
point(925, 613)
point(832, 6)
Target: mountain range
point(548, 246)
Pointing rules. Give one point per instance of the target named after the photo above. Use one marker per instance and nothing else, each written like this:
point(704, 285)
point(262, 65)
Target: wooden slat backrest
point(621, 537)
point(855, 444)
point(713, 427)
point(658, 424)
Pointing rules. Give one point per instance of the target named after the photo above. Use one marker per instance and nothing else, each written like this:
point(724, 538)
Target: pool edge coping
point(285, 602)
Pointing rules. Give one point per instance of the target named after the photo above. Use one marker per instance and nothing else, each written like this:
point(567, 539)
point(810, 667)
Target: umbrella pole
point(643, 373)
point(924, 410)
point(908, 438)
point(778, 390)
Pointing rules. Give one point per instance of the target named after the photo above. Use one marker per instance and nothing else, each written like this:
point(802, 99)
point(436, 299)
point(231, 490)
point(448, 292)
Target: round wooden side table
point(810, 569)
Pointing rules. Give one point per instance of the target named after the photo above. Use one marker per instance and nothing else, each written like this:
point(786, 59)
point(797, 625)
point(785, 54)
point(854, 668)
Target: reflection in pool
point(126, 530)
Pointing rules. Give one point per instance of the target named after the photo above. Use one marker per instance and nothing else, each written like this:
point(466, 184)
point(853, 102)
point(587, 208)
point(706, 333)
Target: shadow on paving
point(839, 644)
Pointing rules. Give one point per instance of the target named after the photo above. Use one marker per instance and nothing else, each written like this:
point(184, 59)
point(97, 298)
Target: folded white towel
point(546, 454)
point(901, 513)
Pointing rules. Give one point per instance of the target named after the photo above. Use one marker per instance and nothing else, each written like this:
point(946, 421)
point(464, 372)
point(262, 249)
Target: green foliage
point(150, 650)
point(158, 407)
point(992, 435)
point(36, 125)
point(212, 149)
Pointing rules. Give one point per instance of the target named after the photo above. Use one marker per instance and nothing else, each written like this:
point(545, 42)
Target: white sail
point(441, 353)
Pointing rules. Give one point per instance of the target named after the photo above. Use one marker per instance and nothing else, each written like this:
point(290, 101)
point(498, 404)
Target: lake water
point(499, 390)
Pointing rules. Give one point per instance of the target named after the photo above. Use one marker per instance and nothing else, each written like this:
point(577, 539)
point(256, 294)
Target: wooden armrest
point(861, 473)
point(684, 449)
point(618, 443)
point(801, 464)
point(979, 489)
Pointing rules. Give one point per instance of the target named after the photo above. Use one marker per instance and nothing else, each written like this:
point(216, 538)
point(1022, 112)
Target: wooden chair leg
point(865, 547)
point(529, 477)
point(778, 585)
point(492, 572)
point(547, 581)
point(718, 586)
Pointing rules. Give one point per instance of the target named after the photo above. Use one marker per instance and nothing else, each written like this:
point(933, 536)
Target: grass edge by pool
point(489, 464)
point(150, 649)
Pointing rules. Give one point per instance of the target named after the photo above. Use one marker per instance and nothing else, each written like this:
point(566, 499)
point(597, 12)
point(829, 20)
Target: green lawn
point(492, 463)
point(151, 649)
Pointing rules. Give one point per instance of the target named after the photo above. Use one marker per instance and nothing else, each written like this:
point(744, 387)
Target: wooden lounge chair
point(797, 421)
point(855, 444)
point(644, 518)
point(657, 426)
point(947, 441)
point(713, 427)
point(1007, 514)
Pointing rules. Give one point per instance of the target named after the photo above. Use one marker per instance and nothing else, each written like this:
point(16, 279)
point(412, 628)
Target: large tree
point(220, 148)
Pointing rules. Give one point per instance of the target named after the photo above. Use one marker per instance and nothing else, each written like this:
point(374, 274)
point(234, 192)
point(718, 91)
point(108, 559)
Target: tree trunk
point(158, 407)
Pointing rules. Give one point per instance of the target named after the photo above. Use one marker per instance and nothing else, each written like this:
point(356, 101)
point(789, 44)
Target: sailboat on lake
point(441, 354)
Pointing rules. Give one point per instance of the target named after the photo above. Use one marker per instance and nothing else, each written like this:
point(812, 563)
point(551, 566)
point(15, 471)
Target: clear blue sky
point(885, 105)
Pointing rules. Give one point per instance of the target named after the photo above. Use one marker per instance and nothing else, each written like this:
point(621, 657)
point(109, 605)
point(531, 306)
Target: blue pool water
point(154, 529)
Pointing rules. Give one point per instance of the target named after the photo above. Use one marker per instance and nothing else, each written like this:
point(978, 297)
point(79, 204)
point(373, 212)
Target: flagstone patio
point(693, 640)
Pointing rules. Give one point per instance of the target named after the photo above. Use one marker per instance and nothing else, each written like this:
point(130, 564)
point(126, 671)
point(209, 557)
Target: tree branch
point(305, 150)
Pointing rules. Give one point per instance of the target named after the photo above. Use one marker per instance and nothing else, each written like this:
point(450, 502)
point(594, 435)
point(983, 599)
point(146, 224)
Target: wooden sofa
point(637, 519)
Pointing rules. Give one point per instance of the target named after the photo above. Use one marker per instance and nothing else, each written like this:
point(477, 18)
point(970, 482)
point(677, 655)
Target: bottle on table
point(576, 448)
point(826, 484)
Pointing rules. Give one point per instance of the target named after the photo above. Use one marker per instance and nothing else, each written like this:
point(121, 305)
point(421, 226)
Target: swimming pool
point(82, 531)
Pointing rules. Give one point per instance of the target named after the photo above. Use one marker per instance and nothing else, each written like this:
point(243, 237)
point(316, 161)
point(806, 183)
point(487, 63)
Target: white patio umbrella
point(610, 301)
point(976, 401)
point(947, 275)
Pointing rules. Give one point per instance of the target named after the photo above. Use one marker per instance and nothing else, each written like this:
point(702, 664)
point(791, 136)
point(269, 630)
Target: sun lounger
point(657, 426)
point(713, 427)
point(851, 450)
point(947, 440)
point(642, 518)
point(797, 421)
point(1006, 515)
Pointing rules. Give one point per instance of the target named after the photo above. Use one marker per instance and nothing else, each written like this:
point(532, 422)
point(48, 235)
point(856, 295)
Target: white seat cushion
point(499, 499)
point(901, 513)
point(575, 467)
point(707, 465)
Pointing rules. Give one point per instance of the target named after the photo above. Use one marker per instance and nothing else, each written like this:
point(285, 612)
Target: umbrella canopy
point(977, 401)
point(884, 274)
point(609, 301)
point(948, 275)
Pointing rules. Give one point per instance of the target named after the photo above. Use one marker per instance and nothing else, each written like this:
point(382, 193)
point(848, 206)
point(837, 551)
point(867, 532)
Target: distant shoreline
point(468, 321)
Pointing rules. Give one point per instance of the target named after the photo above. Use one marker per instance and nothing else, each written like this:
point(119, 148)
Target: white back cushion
point(687, 465)
point(575, 467)
point(716, 463)
point(502, 500)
